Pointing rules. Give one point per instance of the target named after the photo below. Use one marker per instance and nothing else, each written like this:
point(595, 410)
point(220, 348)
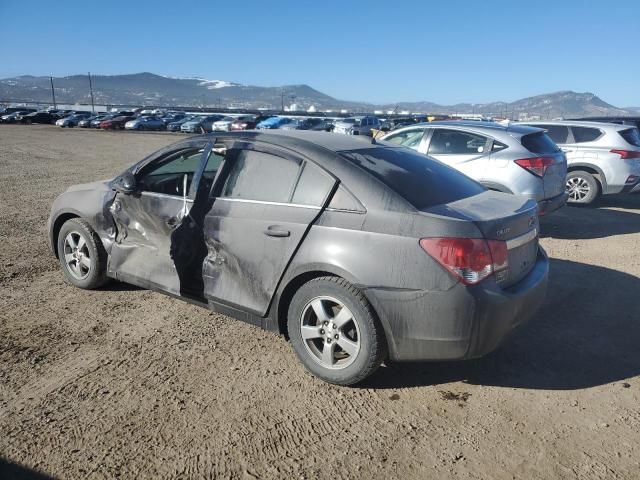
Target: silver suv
point(357, 125)
point(603, 158)
point(507, 158)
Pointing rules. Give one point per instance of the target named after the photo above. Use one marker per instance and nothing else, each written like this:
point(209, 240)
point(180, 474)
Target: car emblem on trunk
point(503, 231)
point(532, 221)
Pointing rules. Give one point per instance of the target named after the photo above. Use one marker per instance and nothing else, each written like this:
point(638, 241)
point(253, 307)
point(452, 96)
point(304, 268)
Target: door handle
point(276, 231)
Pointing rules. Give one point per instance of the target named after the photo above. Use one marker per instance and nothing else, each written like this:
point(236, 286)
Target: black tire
point(96, 275)
point(582, 187)
point(364, 327)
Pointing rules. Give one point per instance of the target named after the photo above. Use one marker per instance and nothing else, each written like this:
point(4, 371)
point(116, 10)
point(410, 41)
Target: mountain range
point(143, 89)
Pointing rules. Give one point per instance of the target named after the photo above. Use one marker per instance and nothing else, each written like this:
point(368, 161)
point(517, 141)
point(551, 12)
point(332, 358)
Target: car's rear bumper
point(549, 205)
point(461, 323)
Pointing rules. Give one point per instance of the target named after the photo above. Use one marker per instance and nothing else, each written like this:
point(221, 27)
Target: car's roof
point(582, 123)
point(303, 138)
point(477, 125)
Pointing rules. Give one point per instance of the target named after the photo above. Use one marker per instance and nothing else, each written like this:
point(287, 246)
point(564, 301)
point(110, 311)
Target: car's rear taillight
point(469, 259)
point(626, 154)
point(537, 165)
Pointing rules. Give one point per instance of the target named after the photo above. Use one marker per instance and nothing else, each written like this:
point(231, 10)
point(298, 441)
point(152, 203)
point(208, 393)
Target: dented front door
point(153, 227)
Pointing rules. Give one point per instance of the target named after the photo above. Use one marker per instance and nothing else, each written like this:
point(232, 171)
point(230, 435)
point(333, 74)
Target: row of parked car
point(549, 161)
point(158, 120)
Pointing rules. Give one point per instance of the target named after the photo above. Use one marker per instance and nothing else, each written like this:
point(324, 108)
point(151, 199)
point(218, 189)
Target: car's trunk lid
point(501, 216)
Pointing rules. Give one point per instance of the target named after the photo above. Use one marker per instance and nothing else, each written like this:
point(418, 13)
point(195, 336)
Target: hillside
point(151, 89)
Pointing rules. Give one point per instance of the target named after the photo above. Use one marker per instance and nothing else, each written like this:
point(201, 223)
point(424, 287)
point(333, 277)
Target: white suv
point(603, 158)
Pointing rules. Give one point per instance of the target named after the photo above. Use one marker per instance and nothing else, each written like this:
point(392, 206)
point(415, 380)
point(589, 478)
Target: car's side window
point(407, 138)
point(558, 133)
point(166, 175)
point(313, 186)
point(585, 134)
point(260, 176)
point(455, 142)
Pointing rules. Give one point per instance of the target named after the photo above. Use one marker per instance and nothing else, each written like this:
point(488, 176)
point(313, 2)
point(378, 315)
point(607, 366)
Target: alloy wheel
point(330, 332)
point(77, 256)
point(577, 188)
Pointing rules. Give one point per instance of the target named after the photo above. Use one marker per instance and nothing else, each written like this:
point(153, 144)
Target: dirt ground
point(126, 383)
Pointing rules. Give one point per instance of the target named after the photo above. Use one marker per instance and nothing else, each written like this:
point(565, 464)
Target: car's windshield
point(348, 120)
point(420, 180)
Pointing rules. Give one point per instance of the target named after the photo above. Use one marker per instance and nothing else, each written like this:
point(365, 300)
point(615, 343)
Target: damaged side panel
point(141, 252)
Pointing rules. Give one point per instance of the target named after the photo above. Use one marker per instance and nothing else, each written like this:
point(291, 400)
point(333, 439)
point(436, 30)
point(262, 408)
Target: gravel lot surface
point(126, 383)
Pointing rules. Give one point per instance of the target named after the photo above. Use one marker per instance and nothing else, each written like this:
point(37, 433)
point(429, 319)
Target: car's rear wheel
point(582, 187)
point(81, 254)
point(335, 332)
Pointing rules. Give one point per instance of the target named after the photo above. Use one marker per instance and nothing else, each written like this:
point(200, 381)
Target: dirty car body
point(241, 222)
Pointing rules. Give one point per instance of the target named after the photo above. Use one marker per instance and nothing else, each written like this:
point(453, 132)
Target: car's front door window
point(166, 175)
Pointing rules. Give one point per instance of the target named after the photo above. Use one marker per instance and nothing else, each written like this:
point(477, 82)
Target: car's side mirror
point(126, 183)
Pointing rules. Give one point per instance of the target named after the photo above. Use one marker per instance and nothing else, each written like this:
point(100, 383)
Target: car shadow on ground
point(601, 221)
point(115, 286)
point(587, 334)
point(13, 471)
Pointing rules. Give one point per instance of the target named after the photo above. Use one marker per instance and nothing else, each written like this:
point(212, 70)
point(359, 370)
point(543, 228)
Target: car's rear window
point(631, 136)
point(539, 143)
point(422, 181)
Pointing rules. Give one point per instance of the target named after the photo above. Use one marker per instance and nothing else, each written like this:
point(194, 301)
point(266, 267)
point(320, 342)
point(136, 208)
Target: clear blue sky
point(444, 51)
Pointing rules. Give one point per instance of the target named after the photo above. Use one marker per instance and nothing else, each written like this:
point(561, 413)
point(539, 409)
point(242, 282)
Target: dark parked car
point(115, 123)
point(316, 124)
point(37, 117)
point(13, 116)
point(176, 124)
point(172, 117)
point(398, 122)
point(357, 250)
point(9, 110)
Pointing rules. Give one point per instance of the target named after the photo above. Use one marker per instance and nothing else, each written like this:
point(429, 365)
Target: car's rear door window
point(585, 134)
point(631, 136)
point(422, 181)
point(455, 142)
point(261, 176)
point(313, 186)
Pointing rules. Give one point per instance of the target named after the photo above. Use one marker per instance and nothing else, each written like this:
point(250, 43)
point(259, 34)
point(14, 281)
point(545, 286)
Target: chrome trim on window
point(522, 239)
point(165, 195)
point(262, 202)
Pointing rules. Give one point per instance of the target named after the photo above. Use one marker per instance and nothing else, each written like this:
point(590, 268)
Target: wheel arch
point(592, 169)
point(56, 226)
point(296, 280)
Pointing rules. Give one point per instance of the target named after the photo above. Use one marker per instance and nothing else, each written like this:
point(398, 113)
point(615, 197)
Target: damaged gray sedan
point(358, 251)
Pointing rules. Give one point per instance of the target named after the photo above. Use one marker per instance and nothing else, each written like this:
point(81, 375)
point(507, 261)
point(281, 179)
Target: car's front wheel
point(582, 187)
point(335, 332)
point(81, 254)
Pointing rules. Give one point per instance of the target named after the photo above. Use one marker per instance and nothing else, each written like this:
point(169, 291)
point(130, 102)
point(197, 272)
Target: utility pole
point(53, 93)
point(93, 108)
point(282, 101)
